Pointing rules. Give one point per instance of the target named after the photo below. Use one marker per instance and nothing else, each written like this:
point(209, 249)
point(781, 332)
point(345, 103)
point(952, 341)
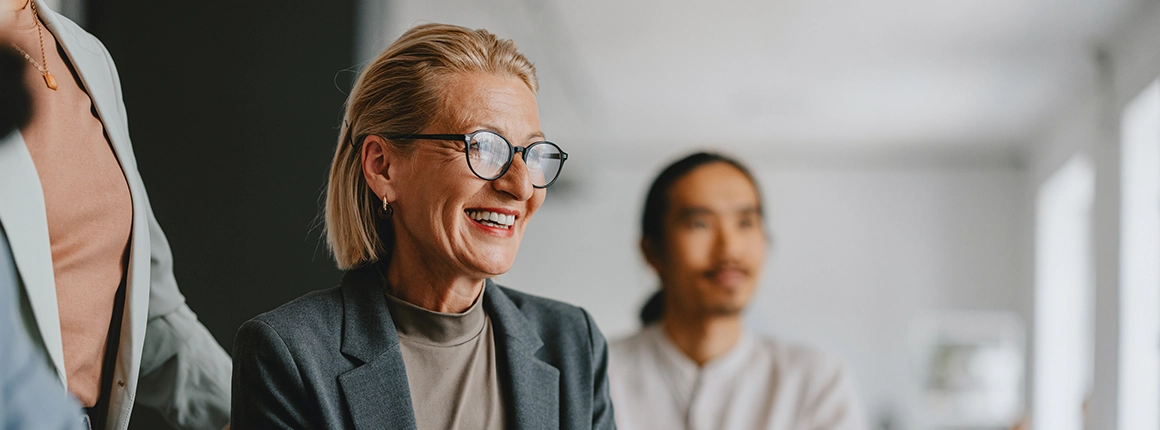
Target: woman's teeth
point(492, 219)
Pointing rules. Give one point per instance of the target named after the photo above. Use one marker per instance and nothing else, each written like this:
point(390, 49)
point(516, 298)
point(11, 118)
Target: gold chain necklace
point(49, 79)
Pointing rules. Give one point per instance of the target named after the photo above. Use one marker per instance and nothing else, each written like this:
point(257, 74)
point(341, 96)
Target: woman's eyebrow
point(535, 135)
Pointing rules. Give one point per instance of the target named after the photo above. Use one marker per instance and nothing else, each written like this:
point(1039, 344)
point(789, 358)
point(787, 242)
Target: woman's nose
point(517, 181)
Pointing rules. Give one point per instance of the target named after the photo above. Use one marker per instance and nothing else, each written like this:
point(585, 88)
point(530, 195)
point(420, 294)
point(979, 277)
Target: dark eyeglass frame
point(513, 150)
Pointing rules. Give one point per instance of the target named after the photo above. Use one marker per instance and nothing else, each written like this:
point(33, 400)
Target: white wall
point(861, 248)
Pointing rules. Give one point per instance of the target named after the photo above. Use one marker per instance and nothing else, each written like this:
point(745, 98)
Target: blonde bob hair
point(400, 93)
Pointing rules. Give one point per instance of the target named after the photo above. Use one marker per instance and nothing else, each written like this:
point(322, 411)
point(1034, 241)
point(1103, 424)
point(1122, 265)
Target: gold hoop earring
point(387, 209)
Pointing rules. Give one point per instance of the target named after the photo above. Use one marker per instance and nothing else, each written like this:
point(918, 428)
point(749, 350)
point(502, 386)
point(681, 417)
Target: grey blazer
point(331, 359)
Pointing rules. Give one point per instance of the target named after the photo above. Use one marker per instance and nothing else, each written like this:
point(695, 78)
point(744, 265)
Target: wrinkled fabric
point(758, 384)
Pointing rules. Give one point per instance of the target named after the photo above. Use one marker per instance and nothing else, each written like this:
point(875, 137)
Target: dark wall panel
point(233, 110)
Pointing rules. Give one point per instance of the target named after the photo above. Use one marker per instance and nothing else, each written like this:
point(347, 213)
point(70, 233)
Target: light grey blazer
point(331, 359)
point(166, 359)
point(30, 396)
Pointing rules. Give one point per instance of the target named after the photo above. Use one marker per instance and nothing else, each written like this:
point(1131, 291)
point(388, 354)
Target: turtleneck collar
point(420, 325)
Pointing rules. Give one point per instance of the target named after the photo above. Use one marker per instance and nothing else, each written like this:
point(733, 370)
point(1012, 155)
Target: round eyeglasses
point(490, 155)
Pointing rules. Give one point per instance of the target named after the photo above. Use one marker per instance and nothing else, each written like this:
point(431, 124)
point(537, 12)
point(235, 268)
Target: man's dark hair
point(15, 102)
point(656, 204)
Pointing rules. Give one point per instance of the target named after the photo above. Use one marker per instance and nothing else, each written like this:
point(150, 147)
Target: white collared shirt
point(758, 384)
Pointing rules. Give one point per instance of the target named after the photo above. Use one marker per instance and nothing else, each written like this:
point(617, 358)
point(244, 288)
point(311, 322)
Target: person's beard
point(15, 102)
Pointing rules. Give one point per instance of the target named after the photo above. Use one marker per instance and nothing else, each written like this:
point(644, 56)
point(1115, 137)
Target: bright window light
point(1063, 297)
point(1139, 379)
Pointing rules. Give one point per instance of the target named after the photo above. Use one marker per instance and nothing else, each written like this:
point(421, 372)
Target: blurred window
point(1063, 297)
point(1139, 367)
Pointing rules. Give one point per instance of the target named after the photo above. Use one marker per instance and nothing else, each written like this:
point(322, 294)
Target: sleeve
point(835, 404)
point(185, 373)
point(269, 392)
point(602, 414)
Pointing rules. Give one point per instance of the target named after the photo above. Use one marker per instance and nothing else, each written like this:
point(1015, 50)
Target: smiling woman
point(439, 167)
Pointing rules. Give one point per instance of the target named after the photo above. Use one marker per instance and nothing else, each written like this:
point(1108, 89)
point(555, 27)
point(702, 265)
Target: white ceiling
point(824, 75)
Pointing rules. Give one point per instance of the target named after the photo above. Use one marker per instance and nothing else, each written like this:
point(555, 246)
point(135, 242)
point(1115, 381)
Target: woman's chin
point(492, 265)
point(492, 271)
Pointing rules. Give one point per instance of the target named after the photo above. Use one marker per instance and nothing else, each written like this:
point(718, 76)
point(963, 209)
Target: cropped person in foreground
point(99, 295)
point(30, 394)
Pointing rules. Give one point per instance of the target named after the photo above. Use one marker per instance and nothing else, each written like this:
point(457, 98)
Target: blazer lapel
point(97, 74)
point(95, 69)
point(24, 221)
point(377, 393)
point(535, 385)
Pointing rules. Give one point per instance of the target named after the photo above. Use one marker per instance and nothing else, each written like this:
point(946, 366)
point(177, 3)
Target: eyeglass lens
point(489, 154)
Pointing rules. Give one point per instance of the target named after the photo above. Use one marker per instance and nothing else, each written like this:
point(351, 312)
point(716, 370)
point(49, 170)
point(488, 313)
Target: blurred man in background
point(99, 296)
point(694, 366)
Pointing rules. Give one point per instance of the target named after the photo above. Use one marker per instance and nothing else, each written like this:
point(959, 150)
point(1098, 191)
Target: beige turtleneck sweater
point(450, 361)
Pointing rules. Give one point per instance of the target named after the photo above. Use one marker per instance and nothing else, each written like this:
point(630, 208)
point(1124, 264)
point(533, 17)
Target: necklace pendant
point(50, 80)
